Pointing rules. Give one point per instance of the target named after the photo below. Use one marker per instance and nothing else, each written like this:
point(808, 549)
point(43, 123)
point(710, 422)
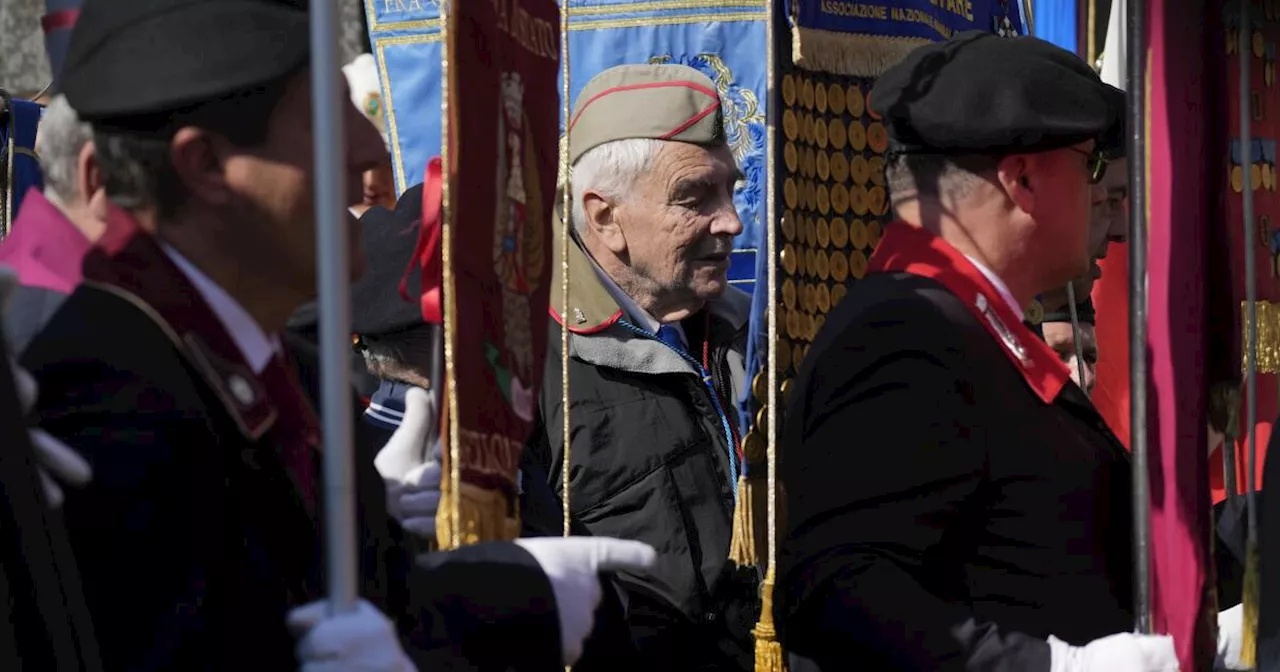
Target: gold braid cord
point(564, 266)
point(769, 656)
point(451, 534)
point(564, 260)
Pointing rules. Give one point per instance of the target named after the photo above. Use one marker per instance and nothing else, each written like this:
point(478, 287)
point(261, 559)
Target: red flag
point(1179, 189)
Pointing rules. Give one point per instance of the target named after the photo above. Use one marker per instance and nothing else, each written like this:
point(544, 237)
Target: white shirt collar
point(1002, 288)
point(257, 347)
point(630, 308)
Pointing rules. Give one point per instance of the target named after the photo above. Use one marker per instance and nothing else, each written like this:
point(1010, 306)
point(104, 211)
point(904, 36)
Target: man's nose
point(1119, 231)
point(727, 224)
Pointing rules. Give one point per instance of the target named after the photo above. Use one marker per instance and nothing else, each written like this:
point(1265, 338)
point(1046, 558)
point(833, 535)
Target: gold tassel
point(742, 549)
point(1249, 639)
point(768, 649)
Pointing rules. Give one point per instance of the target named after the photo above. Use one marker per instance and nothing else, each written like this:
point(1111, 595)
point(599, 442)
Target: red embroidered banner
point(503, 109)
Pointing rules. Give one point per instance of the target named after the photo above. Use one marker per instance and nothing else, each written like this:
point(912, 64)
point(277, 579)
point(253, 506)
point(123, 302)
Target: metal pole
point(1250, 271)
point(333, 277)
point(1075, 335)
point(1137, 152)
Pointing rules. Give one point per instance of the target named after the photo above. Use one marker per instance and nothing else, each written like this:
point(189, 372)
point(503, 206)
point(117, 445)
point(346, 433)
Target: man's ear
point(199, 160)
point(1015, 176)
point(88, 177)
point(602, 221)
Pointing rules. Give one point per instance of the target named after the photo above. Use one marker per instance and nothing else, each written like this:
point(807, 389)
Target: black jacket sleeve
point(884, 456)
point(490, 608)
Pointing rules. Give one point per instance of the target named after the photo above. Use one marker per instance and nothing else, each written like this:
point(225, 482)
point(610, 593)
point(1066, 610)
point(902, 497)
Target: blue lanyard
point(715, 400)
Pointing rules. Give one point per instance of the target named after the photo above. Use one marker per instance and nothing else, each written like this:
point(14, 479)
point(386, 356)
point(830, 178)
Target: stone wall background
point(24, 68)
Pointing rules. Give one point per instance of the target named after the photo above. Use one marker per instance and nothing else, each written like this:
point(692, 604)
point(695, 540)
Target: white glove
point(54, 460)
point(1124, 651)
point(1230, 639)
point(572, 565)
point(361, 639)
point(413, 482)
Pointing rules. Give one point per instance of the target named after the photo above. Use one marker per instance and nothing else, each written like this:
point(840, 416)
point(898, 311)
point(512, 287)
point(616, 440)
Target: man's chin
point(711, 288)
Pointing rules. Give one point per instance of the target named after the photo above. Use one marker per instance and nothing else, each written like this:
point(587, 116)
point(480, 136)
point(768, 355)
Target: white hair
point(611, 170)
point(58, 143)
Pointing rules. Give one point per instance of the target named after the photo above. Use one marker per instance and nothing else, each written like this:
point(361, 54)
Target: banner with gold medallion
point(502, 107)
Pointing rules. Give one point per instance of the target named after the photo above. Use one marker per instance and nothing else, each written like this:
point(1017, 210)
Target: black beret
point(390, 237)
point(981, 93)
point(1084, 313)
point(137, 57)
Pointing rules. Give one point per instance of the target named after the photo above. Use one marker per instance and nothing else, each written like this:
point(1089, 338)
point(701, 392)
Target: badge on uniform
point(240, 391)
point(1011, 342)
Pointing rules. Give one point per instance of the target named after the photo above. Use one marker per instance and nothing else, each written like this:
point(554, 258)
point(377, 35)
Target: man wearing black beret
point(953, 502)
point(198, 536)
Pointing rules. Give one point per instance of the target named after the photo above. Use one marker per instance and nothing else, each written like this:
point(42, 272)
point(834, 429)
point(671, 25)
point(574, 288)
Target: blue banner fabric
point(1056, 22)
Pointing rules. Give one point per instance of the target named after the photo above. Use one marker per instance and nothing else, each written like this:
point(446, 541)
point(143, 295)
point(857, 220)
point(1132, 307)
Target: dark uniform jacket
point(953, 499)
point(651, 461)
point(196, 536)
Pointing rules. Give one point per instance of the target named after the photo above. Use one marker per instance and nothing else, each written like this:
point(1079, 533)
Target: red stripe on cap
point(650, 85)
point(693, 120)
point(63, 18)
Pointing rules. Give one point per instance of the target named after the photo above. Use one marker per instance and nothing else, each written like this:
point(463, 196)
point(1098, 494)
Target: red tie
point(297, 429)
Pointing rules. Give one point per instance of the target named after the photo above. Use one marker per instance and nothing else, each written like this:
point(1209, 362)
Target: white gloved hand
point(415, 501)
point(572, 565)
point(361, 639)
point(1230, 639)
point(413, 482)
point(1125, 651)
point(54, 460)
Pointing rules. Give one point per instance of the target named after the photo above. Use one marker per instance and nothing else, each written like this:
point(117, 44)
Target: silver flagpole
point(333, 274)
point(1137, 152)
point(1075, 335)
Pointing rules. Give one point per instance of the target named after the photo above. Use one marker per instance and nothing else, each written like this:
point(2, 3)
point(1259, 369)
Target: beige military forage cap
point(662, 102)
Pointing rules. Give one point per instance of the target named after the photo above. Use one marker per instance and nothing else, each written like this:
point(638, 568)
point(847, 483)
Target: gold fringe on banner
point(482, 515)
point(851, 54)
point(1268, 337)
point(742, 549)
point(1249, 639)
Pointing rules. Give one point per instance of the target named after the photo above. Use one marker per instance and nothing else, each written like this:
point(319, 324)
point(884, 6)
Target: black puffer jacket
point(652, 460)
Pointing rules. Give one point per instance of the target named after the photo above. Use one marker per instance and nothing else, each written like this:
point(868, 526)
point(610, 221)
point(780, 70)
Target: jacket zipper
point(709, 385)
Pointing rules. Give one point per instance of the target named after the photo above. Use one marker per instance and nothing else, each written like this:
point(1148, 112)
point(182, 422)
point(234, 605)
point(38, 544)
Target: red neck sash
point(913, 250)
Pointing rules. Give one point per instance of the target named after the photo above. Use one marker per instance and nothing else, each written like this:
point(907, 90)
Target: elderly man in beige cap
point(656, 358)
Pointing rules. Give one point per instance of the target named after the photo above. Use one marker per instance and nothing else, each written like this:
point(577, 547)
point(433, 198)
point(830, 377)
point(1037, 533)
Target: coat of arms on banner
point(518, 249)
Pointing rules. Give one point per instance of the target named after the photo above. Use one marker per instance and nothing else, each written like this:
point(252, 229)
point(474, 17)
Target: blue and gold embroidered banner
point(924, 19)
point(824, 31)
point(723, 38)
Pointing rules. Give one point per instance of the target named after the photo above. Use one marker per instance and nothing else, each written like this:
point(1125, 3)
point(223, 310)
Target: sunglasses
point(1096, 162)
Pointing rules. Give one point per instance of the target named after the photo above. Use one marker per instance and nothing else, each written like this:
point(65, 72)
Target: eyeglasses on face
point(1095, 162)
